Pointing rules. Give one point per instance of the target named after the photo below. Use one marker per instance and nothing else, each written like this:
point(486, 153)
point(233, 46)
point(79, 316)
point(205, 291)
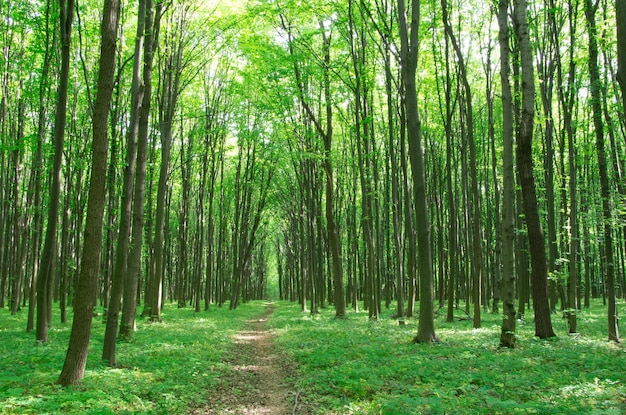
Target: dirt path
point(258, 382)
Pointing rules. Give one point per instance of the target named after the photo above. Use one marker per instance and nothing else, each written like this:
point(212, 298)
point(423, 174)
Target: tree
point(325, 131)
point(477, 252)
point(46, 268)
point(127, 325)
point(383, 27)
point(86, 291)
point(507, 335)
point(567, 94)
point(546, 65)
point(44, 92)
point(252, 182)
point(121, 250)
point(539, 271)
point(409, 37)
point(365, 161)
point(596, 106)
point(170, 89)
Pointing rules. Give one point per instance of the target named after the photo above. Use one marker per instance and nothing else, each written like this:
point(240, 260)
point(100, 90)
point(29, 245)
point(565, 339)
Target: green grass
point(355, 366)
point(351, 366)
point(167, 369)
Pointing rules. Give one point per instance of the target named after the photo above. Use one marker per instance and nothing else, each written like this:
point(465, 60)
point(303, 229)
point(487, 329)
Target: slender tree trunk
point(567, 97)
point(409, 219)
point(507, 334)
point(182, 275)
point(170, 90)
point(477, 252)
point(451, 200)
point(216, 163)
point(120, 266)
point(86, 292)
point(326, 132)
point(131, 281)
point(409, 54)
point(596, 103)
point(44, 279)
point(396, 200)
point(44, 89)
point(365, 174)
point(539, 271)
point(497, 265)
point(20, 220)
point(546, 68)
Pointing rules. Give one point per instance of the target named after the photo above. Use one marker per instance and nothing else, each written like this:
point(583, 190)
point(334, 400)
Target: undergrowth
point(350, 366)
point(168, 368)
point(357, 366)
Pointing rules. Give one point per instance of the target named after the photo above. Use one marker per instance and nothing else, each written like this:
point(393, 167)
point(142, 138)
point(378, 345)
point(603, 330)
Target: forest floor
point(258, 383)
point(273, 358)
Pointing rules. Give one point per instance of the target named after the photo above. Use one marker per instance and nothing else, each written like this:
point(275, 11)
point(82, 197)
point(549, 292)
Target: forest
point(453, 168)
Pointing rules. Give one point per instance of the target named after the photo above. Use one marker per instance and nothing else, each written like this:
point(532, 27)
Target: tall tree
point(127, 325)
point(46, 268)
point(121, 250)
point(255, 169)
point(385, 28)
point(44, 92)
point(539, 271)
point(507, 335)
point(331, 226)
point(546, 65)
point(170, 89)
point(567, 94)
point(477, 252)
point(86, 291)
point(325, 131)
point(596, 107)
point(409, 37)
point(356, 39)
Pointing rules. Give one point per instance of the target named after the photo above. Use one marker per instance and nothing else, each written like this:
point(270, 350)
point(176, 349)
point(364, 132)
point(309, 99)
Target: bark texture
point(86, 291)
point(539, 265)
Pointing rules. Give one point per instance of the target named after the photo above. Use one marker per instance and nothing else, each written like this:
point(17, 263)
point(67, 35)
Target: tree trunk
point(44, 279)
point(182, 275)
point(546, 68)
point(365, 172)
point(507, 334)
point(127, 325)
point(44, 90)
point(567, 99)
point(86, 292)
point(170, 90)
point(477, 252)
point(409, 54)
point(450, 178)
point(539, 271)
point(396, 200)
point(596, 103)
point(326, 133)
point(120, 266)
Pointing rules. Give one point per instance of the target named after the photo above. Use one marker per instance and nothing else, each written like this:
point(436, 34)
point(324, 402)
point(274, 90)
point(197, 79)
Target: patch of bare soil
point(259, 381)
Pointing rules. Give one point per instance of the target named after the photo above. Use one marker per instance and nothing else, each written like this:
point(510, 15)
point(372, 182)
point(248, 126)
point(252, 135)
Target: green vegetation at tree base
point(345, 366)
point(357, 366)
point(168, 368)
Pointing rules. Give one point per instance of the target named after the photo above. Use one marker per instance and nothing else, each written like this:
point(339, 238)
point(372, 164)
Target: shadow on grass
point(356, 366)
